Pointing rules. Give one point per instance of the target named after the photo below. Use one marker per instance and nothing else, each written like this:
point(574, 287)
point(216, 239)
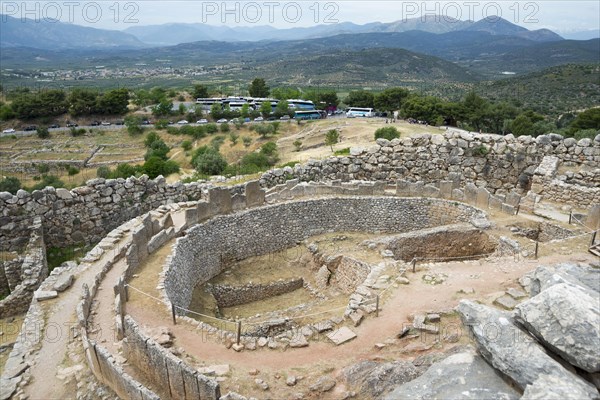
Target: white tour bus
point(359, 112)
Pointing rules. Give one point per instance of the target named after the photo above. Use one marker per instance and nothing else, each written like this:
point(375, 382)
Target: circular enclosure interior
point(211, 246)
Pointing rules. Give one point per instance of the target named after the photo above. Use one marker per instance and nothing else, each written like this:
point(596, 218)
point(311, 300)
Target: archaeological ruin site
point(436, 266)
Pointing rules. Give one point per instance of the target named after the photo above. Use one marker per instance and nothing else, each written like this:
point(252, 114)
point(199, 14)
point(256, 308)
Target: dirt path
point(487, 279)
point(60, 317)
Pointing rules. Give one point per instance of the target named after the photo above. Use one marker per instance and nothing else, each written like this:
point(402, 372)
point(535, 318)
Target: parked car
point(119, 123)
point(259, 119)
point(146, 122)
point(222, 120)
point(30, 128)
point(202, 121)
point(182, 122)
point(105, 123)
point(72, 125)
point(95, 123)
point(11, 130)
point(285, 118)
point(54, 126)
point(170, 122)
point(271, 119)
point(246, 119)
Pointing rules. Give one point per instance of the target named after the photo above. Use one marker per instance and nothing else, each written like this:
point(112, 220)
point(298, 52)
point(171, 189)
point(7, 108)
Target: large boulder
point(511, 350)
point(549, 387)
point(460, 376)
point(567, 320)
point(582, 275)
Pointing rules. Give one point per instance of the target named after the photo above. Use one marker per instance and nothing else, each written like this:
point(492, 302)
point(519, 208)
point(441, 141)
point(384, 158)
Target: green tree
point(286, 93)
point(113, 102)
point(258, 88)
point(390, 99)
point(233, 138)
point(186, 145)
point(332, 137)
point(165, 107)
point(216, 111)
point(247, 140)
point(276, 125)
point(42, 132)
point(10, 184)
point(422, 108)
point(388, 132)
point(224, 127)
point(282, 108)
point(200, 92)
point(589, 119)
point(264, 130)
point(156, 166)
point(208, 161)
point(360, 98)
point(132, 123)
point(265, 109)
point(245, 111)
point(83, 101)
point(477, 110)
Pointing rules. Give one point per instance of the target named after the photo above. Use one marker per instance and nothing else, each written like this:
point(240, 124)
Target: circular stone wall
point(209, 247)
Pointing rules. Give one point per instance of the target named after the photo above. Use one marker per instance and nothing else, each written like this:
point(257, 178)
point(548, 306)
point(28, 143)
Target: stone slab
point(341, 335)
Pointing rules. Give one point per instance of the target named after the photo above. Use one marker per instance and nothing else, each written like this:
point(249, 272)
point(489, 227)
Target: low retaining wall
point(229, 296)
point(210, 246)
point(164, 369)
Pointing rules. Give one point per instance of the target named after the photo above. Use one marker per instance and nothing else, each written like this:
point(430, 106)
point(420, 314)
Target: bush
point(43, 168)
point(480, 151)
point(156, 166)
point(10, 184)
point(297, 145)
point(342, 152)
point(586, 134)
point(388, 132)
point(233, 138)
point(77, 132)
point(43, 132)
point(224, 127)
point(217, 142)
point(209, 161)
point(247, 140)
point(212, 128)
point(48, 180)
point(186, 145)
point(71, 170)
point(103, 171)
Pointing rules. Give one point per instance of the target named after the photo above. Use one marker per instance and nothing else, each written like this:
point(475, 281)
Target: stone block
point(416, 188)
point(458, 194)
point(471, 193)
point(238, 202)
point(402, 188)
point(219, 199)
point(191, 217)
point(204, 212)
point(255, 195)
point(430, 191)
point(508, 209)
point(513, 199)
point(483, 198)
point(341, 335)
point(495, 203)
point(446, 189)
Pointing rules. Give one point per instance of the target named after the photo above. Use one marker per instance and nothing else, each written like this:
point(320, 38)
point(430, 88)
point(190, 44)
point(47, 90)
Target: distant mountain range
point(57, 35)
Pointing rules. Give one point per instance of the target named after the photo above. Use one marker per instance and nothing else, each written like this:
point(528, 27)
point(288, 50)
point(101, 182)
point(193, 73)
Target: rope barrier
point(582, 224)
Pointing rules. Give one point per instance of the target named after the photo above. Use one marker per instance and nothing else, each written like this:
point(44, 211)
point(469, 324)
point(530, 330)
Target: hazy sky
point(560, 16)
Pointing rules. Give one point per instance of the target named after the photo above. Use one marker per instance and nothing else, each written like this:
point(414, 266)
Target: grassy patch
point(58, 255)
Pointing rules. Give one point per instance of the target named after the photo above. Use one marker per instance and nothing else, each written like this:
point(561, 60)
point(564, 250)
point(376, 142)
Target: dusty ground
point(487, 279)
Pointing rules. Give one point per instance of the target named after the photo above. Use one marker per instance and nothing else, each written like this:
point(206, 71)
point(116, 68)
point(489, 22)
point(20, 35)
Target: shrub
point(331, 138)
point(247, 140)
point(342, 152)
point(186, 145)
point(224, 127)
point(297, 145)
point(233, 138)
point(10, 184)
point(217, 142)
point(103, 171)
point(48, 180)
point(43, 132)
point(43, 168)
point(212, 128)
point(388, 132)
point(264, 130)
point(156, 166)
point(480, 151)
point(71, 170)
point(208, 161)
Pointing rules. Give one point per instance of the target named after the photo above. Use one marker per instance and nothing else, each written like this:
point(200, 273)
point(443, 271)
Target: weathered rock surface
point(373, 379)
point(460, 376)
point(580, 275)
point(511, 350)
point(566, 319)
point(549, 387)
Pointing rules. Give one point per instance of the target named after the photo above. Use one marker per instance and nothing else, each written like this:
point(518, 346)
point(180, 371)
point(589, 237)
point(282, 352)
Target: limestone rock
point(341, 335)
point(460, 376)
point(63, 282)
point(41, 295)
point(511, 350)
point(548, 387)
point(324, 384)
point(374, 379)
point(7, 388)
point(567, 320)
point(505, 301)
point(580, 275)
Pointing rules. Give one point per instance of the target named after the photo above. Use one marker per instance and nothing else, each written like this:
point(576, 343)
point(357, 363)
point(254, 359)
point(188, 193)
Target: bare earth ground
point(488, 278)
